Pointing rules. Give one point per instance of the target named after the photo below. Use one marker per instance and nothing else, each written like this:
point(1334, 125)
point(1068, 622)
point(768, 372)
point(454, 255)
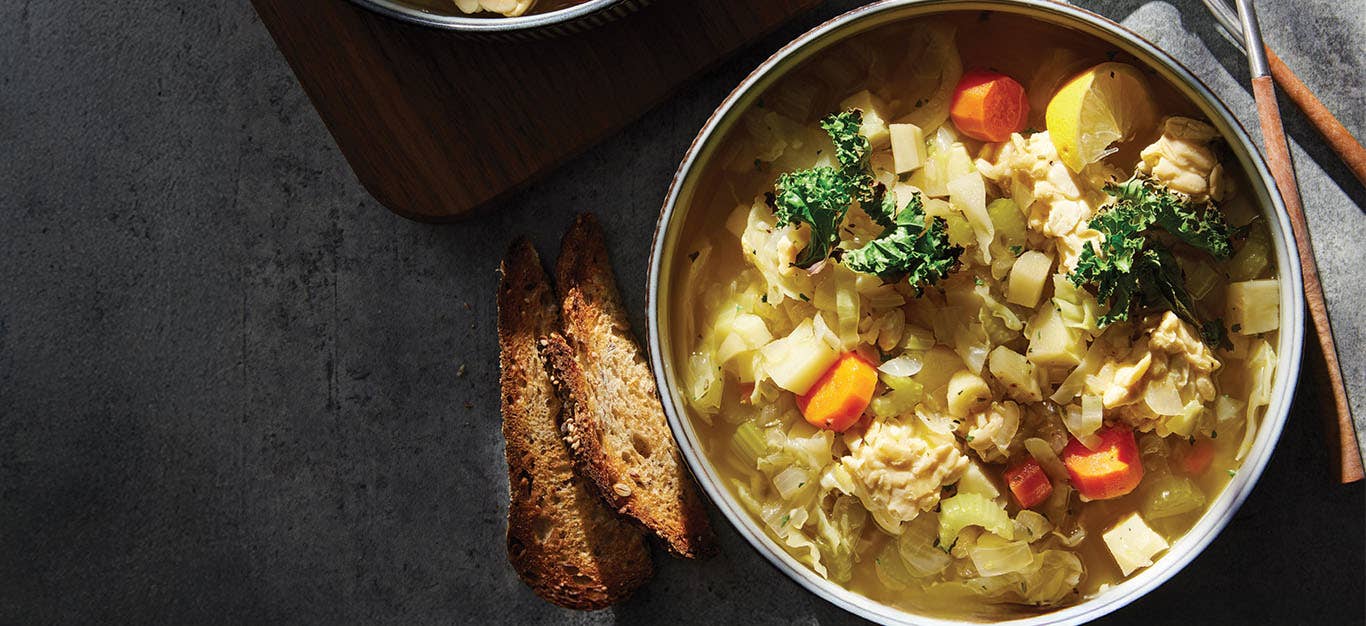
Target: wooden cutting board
point(435, 124)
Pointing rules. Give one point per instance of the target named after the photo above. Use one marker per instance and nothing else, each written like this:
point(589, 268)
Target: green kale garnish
point(820, 197)
point(1202, 227)
point(851, 147)
point(911, 247)
point(1133, 268)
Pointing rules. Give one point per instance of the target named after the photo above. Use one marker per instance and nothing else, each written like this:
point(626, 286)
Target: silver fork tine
point(1227, 21)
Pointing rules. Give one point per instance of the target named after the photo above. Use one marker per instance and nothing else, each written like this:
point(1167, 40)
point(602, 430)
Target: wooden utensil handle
point(1339, 139)
point(1348, 461)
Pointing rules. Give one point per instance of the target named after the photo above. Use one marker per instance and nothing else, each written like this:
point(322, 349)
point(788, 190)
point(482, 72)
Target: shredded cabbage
point(1170, 495)
point(916, 546)
point(967, 193)
point(891, 569)
point(1262, 369)
point(993, 555)
point(1076, 306)
point(930, 69)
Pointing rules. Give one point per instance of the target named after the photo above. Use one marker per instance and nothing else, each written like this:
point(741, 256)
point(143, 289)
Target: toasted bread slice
point(563, 540)
point(614, 423)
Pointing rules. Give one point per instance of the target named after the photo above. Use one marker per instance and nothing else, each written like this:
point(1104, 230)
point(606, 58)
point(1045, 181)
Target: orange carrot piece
point(839, 397)
point(989, 105)
point(1028, 483)
point(1111, 470)
point(1195, 458)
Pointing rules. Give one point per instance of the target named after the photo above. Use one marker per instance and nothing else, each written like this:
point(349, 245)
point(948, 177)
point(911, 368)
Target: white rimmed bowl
point(666, 252)
point(560, 21)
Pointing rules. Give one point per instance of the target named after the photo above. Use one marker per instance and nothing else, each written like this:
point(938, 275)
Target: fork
point(1339, 139)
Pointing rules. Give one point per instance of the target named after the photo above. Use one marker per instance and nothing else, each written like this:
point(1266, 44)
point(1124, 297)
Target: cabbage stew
point(975, 325)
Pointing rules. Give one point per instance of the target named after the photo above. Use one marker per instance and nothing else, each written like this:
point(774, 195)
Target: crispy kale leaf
point(911, 247)
point(820, 197)
point(1133, 269)
point(1200, 226)
point(851, 150)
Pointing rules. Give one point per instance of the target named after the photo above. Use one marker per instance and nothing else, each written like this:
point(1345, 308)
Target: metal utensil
point(1339, 139)
point(1348, 461)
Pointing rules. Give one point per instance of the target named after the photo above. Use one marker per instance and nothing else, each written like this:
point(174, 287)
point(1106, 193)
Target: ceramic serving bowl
point(666, 253)
point(560, 21)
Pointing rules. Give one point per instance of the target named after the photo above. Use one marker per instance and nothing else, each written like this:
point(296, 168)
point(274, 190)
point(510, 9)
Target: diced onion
point(1163, 398)
point(1031, 525)
point(1047, 458)
point(1083, 421)
point(975, 356)
point(904, 365)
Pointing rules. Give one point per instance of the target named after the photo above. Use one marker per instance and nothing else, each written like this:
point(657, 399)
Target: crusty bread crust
point(614, 423)
point(563, 540)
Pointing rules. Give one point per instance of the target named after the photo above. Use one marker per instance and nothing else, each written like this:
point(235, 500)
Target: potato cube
point(968, 393)
point(1016, 373)
point(1133, 543)
point(908, 147)
point(1027, 278)
point(874, 124)
point(1254, 306)
point(975, 480)
point(798, 360)
point(1051, 342)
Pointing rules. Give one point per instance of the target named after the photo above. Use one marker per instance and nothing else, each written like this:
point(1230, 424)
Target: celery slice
point(971, 509)
point(749, 444)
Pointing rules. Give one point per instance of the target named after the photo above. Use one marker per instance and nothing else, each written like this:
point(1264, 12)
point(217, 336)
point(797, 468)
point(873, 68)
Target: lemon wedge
point(1096, 108)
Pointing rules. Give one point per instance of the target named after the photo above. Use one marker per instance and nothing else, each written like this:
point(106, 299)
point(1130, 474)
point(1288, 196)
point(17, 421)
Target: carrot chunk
point(989, 105)
point(1028, 483)
point(1195, 458)
point(1111, 470)
point(839, 397)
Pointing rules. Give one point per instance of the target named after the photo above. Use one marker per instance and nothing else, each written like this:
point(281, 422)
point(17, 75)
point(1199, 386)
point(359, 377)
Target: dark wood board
point(436, 124)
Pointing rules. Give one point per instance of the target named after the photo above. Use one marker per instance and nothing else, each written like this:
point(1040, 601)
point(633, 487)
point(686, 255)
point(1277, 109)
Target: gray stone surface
point(234, 389)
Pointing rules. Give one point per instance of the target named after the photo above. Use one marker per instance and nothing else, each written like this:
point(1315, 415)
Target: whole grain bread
point(613, 422)
point(563, 539)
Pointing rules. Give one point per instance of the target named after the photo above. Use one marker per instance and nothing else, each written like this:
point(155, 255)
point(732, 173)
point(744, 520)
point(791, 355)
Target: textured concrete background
point(231, 384)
